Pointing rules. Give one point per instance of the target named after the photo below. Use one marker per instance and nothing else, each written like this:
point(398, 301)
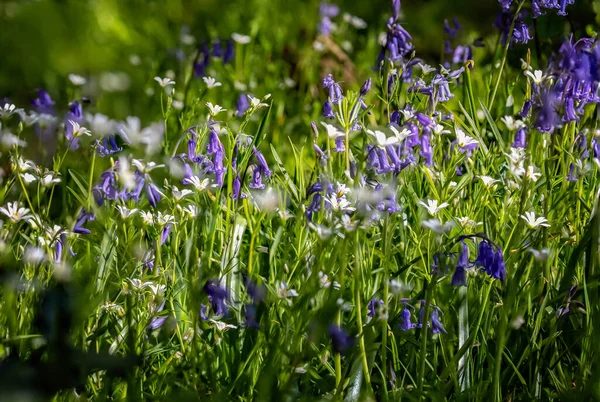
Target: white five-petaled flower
point(164, 82)
point(78, 130)
point(145, 167)
point(408, 114)
point(256, 103)
point(532, 174)
point(126, 212)
point(463, 140)
point(381, 139)
point(214, 109)
point(199, 184)
point(77, 80)
point(426, 68)
point(15, 212)
point(285, 292)
point(221, 326)
point(49, 178)
point(533, 221)
point(332, 131)
point(211, 82)
point(341, 190)
point(339, 204)
point(511, 123)
point(8, 110)
point(439, 129)
point(179, 194)
point(432, 206)
point(537, 76)
point(190, 210)
point(436, 226)
point(10, 140)
point(147, 217)
point(488, 181)
point(466, 222)
point(241, 39)
point(23, 165)
point(164, 219)
point(400, 135)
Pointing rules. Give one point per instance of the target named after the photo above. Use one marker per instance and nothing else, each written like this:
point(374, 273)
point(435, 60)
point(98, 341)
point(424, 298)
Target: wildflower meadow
point(299, 201)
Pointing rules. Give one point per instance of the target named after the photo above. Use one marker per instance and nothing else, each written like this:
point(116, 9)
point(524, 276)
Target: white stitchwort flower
point(211, 82)
point(256, 103)
point(241, 39)
point(284, 292)
point(164, 219)
point(463, 140)
point(214, 109)
point(147, 217)
point(126, 212)
point(488, 181)
point(15, 212)
point(164, 82)
point(537, 76)
point(332, 131)
point(49, 178)
point(426, 68)
point(145, 167)
point(10, 140)
point(8, 110)
point(199, 184)
point(339, 204)
point(381, 139)
point(400, 135)
point(439, 129)
point(77, 80)
point(532, 173)
point(435, 225)
point(512, 124)
point(533, 221)
point(432, 206)
point(465, 222)
point(178, 195)
point(78, 130)
point(190, 210)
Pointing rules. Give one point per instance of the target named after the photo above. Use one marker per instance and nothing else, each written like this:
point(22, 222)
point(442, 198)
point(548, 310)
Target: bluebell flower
point(236, 190)
point(74, 114)
point(153, 193)
point(339, 145)
point(157, 322)
point(328, 110)
point(229, 54)
point(165, 233)
point(572, 176)
point(314, 206)
point(262, 162)
point(452, 30)
point(256, 182)
point(426, 149)
point(520, 138)
point(526, 109)
point(366, 87)
point(107, 188)
point(214, 143)
point(250, 315)
point(256, 291)
point(43, 103)
point(217, 296)
point(217, 49)
point(340, 340)
point(436, 325)
point(324, 26)
point(203, 312)
point(84, 216)
point(321, 155)
point(335, 91)
point(242, 105)
point(328, 10)
point(520, 32)
point(491, 259)
point(569, 110)
point(108, 146)
point(372, 306)
point(459, 278)
point(406, 324)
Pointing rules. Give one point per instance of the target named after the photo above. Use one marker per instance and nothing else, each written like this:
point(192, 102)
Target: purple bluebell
point(328, 110)
point(257, 292)
point(452, 30)
point(366, 87)
point(572, 176)
point(547, 117)
point(74, 114)
point(328, 10)
point(43, 103)
point(165, 233)
point(520, 32)
point(107, 188)
point(526, 109)
point(324, 26)
point(58, 250)
point(203, 312)
point(442, 89)
point(520, 138)
point(250, 316)
point(424, 120)
point(84, 216)
point(219, 166)
point(262, 162)
point(436, 325)
point(214, 143)
point(426, 149)
point(256, 182)
point(108, 146)
point(339, 144)
point(372, 306)
point(314, 206)
point(569, 110)
point(459, 278)
point(217, 49)
point(242, 105)
point(229, 53)
point(321, 154)
point(157, 322)
point(217, 296)
point(153, 193)
point(335, 91)
point(340, 340)
point(406, 324)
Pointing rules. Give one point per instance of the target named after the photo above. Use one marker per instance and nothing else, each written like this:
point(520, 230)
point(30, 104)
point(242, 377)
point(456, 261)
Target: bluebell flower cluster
point(221, 49)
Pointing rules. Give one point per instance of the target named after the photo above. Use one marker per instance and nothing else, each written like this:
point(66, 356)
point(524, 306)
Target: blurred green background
point(125, 43)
